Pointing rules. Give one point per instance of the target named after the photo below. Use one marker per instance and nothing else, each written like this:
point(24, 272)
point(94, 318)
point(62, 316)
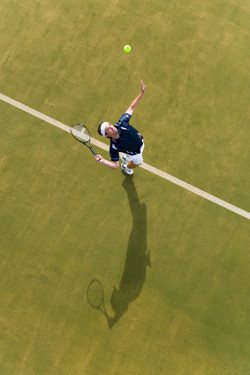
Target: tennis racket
point(81, 133)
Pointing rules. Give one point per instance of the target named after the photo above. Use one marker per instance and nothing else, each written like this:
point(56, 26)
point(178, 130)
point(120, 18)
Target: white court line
point(145, 166)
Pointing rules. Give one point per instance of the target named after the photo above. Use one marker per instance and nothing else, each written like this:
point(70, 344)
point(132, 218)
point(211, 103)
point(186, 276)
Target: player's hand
point(143, 87)
point(99, 158)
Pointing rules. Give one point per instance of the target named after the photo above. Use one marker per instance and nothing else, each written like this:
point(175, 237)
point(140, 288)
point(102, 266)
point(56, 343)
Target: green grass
point(66, 219)
point(68, 62)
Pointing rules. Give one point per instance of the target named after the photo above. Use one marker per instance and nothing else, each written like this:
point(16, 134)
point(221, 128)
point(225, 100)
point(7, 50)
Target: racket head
point(80, 132)
point(95, 294)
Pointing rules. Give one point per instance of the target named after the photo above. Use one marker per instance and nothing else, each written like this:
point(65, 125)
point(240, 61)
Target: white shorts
point(137, 159)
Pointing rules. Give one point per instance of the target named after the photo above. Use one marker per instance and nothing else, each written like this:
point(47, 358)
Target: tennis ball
point(127, 48)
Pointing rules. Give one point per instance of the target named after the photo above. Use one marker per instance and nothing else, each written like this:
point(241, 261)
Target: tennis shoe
point(126, 159)
point(126, 169)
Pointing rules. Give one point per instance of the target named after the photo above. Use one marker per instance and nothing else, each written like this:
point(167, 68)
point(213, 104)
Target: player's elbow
point(115, 165)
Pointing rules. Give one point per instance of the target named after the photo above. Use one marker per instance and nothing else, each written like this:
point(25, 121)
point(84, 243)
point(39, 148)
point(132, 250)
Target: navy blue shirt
point(130, 140)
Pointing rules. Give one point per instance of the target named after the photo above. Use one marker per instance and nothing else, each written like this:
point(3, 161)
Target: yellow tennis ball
point(127, 48)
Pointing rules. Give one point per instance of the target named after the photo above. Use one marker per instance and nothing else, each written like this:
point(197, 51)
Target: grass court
point(174, 267)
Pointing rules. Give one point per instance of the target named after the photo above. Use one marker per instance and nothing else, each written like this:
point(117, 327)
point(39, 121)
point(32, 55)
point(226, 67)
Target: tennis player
point(123, 138)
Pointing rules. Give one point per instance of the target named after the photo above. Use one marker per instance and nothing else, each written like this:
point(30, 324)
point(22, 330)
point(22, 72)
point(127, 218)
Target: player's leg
point(135, 160)
point(132, 165)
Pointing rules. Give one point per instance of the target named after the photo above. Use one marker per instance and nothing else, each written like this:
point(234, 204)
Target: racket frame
point(81, 141)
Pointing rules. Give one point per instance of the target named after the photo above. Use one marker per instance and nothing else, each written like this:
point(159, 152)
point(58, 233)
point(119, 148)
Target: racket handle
point(93, 151)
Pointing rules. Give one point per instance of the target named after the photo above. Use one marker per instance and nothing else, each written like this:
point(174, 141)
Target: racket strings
point(81, 133)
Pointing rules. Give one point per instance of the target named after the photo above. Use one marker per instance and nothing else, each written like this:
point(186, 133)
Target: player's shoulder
point(124, 119)
point(127, 115)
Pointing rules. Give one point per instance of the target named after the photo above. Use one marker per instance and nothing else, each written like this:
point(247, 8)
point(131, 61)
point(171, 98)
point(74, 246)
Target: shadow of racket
point(95, 297)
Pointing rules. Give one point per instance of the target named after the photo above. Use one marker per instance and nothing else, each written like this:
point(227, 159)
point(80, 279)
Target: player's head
point(102, 128)
point(107, 130)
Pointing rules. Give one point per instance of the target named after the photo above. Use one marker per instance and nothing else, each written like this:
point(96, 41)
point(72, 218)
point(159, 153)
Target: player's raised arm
point(137, 99)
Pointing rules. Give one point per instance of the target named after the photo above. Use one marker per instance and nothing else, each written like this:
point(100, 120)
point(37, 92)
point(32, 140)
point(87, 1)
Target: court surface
point(174, 266)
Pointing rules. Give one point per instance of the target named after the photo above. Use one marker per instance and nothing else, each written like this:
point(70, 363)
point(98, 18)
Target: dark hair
point(99, 128)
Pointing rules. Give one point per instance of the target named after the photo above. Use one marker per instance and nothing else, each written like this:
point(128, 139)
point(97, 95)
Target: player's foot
point(126, 159)
point(126, 170)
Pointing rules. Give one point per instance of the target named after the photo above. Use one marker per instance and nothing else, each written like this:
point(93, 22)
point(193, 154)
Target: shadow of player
point(137, 258)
